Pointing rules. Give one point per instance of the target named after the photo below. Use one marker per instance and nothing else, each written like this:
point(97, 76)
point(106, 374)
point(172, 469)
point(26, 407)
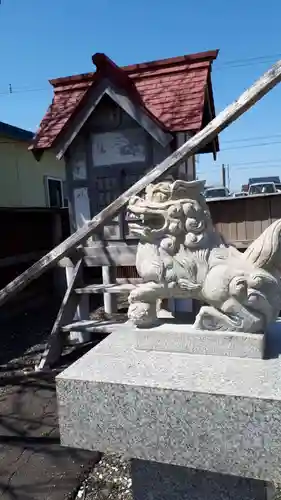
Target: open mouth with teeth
point(147, 219)
point(148, 223)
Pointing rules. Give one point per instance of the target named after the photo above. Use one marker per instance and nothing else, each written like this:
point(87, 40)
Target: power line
point(257, 145)
point(250, 61)
point(253, 138)
point(253, 58)
point(257, 162)
point(230, 64)
point(256, 167)
point(241, 169)
point(249, 164)
point(11, 91)
point(245, 64)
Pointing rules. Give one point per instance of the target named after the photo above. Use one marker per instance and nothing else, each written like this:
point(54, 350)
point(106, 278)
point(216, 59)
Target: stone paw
point(142, 314)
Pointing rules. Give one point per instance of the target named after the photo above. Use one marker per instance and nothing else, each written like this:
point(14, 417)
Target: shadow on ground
point(33, 464)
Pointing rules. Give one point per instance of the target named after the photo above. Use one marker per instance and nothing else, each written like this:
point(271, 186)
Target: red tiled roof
point(171, 91)
point(177, 99)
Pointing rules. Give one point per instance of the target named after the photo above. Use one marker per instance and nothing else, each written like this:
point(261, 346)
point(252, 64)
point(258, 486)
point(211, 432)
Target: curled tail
point(265, 251)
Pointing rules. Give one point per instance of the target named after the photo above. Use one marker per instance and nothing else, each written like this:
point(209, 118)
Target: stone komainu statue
point(181, 255)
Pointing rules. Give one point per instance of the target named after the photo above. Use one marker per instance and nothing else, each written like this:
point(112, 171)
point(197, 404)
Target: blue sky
point(43, 39)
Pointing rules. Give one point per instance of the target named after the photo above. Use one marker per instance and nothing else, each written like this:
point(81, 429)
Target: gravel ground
point(109, 480)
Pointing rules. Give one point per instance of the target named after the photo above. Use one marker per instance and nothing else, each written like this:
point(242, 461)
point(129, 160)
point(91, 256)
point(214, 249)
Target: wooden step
point(110, 288)
point(103, 326)
point(106, 325)
point(118, 254)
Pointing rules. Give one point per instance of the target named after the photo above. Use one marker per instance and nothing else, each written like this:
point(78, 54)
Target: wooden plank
point(222, 121)
point(99, 255)
point(113, 255)
point(222, 219)
point(232, 230)
point(266, 220)
point(83, 308)
point(241, 230)
point(102, 326)
point(258, 214)
point(275, 208)
point(249, 218)
point(65, 315)
point(232, 220)
point(241, 226)
point(111, 288)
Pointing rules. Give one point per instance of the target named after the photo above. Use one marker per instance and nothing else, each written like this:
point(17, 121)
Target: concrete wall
point(22, 177)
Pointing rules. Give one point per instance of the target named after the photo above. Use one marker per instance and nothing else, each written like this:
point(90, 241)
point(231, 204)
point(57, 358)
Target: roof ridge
point(66, 80)
point(173, 61)
point(108, 68)
point(166, 70)
point(100, 58)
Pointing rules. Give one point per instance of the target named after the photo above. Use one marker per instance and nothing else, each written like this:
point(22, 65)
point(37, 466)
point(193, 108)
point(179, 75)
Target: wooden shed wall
point(111, 152)
point(242, 220)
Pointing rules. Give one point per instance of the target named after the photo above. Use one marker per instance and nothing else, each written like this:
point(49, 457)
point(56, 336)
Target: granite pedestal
point(196, 426)
point(179, 337)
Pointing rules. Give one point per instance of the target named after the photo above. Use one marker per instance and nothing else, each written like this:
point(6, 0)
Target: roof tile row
point(172, 91)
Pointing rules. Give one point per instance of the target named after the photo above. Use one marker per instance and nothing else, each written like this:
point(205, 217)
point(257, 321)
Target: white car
point(241, 193)
point(262, 188)
point(216, 192)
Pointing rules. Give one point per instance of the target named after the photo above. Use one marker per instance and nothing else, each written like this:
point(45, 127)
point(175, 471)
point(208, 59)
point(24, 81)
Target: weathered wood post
point(59, 278)
point(109, 299)
point(82, 312)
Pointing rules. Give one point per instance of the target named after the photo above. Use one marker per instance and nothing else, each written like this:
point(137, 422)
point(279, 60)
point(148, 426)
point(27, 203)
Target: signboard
point(112, 148)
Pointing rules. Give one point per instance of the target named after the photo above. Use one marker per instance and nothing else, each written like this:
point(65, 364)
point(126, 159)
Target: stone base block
point(174, 337)
point(154, 481)
point(213, 413)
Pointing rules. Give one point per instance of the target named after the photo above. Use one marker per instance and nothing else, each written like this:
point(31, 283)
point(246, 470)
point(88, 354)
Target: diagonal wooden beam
point(65, 315)
point(189, 148)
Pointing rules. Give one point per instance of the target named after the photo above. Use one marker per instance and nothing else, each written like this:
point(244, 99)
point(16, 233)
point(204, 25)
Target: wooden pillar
point(59, 281)
point(82, 312)
point(109, 299)
point(81, 213)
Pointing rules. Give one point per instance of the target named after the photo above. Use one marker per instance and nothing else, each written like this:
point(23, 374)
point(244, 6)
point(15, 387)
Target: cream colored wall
point(22, 177)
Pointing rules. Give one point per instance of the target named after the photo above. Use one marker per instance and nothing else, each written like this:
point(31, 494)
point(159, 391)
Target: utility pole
point(228, 177)
point(223, 175)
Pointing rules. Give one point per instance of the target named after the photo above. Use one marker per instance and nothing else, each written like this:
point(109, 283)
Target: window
point(262, 188)
point(216, 192)
point(55, 195)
